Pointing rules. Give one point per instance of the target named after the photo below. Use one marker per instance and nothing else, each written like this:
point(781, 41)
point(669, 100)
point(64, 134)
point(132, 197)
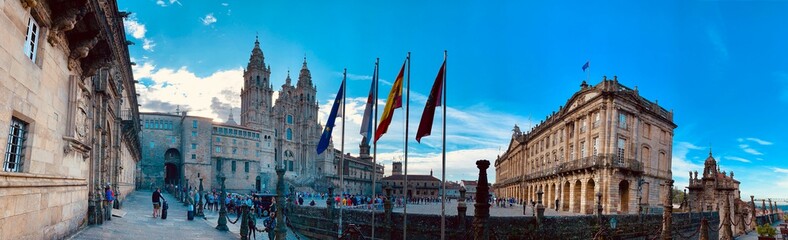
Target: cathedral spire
point(305, 76)
point(257, 59)
point(230, 118)
point(287, 80)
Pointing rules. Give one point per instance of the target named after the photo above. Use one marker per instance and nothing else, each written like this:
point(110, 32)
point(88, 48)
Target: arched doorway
point(623, 192)
point(565, 202)
point(577, 198)
point(172, 166)
point(590, 196)
point(171, 175)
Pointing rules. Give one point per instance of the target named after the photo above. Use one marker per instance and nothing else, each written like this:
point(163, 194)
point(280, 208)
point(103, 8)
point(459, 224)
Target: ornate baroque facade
point(607, 140)
point(68, 109)
point(282, 134)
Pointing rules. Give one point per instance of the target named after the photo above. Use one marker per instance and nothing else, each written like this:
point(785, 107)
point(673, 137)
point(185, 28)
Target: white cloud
point(759, 141)
point(744, 160)
point(208, 19)
point(171, 2)
point(780, 170)
point(225, 4)
point(134, 28)
point(161, 3)
point(200, 95)
point(682, 165)
point(148, 44)
point(746, 148)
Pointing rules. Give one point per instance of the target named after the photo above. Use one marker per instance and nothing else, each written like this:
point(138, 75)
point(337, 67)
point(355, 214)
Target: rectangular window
point(194, 146)
point(194, 134)
point(218, 139)
point(235, 150)
point(218, 149)
point(646, 130)
point(246, 166)
point(14, 152)
point(194, 123)
point(218, 165)
point(571, 152)
point(621, 147)
point(233, 166)
point(596, 146)
point(152, 144)
point(245, 151)
point(596, 119)
point(291, 165)
point(194, 156)
point(582, 149)
point(31, 39)
point(583, 125)
point(258, 144)
point(173, 139)
point(622, 120)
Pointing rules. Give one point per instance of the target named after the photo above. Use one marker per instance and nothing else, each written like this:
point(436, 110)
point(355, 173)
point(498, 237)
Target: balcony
point(592, 162)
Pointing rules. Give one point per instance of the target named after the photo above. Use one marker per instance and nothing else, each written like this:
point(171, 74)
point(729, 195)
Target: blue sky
point(720, 66)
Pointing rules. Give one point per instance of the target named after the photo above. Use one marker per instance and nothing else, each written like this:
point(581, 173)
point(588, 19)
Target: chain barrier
point(697, 230)
point(236, 219)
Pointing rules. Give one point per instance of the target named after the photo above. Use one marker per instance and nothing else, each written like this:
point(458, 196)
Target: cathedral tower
point(257, 92)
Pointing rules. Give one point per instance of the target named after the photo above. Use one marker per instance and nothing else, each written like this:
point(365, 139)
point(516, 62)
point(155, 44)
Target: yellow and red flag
point(394, 101)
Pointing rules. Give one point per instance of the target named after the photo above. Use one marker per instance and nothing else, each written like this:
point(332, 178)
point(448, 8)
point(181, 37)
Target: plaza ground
point(138, 223)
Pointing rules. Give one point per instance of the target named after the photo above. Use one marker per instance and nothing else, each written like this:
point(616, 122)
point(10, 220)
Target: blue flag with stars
point(326, 137)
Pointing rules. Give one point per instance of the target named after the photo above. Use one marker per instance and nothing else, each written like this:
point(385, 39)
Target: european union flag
point(326, 137)
point(585, 66)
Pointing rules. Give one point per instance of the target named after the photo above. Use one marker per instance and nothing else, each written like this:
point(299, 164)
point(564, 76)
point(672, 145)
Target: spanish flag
point(394, 101)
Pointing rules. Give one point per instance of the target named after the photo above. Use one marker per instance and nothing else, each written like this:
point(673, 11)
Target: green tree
point(678, 196)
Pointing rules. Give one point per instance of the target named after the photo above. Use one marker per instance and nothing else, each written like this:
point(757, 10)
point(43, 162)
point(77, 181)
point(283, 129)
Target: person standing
point(110, 197)
point(156, 199)
point(270, 225)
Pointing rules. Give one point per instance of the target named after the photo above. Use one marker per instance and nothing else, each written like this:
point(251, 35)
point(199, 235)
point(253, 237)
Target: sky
point(721, 66)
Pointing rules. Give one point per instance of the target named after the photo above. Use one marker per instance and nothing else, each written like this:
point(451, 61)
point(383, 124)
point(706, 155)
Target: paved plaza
point(138, 223)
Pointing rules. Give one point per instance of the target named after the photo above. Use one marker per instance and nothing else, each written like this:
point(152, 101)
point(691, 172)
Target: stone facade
point(357, 173)
point(284, 134)
point(68, 112)
point(713, 191)
point(419, 186)
point(607, 139)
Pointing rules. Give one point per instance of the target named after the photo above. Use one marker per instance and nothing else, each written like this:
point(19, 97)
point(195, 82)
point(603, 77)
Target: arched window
point(289, 119)
point(289, 134)
point(258, 80)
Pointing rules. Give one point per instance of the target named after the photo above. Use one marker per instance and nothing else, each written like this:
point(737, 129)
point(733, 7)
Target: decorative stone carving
point(81, 51)
point(65, 23)
point(29, 3)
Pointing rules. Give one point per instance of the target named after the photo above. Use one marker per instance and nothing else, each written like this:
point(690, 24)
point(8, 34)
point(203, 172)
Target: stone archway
point(590, 196)
point(171, 175)
point(623, 193)
point(173, 166)
point(577, 196)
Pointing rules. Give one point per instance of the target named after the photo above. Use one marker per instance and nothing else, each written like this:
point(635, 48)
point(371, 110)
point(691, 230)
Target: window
point(218, 165)
point(583, 149)
point(290, 167)
point(583, 125)
point(14, 152)
point(245, 151)
point(31, 39)
point(645, 154)
point(218, 149)
point(194, 134)
point(646, 130)
point(194, 146)
point(596, 119)
point(596, 146)
point(258, 144)
point(218, 139)
point(152, 144)
point(147, 123)
point(571, 152)
point(621, 147)
point(194, 156)
point(289, 119)
point(622, 120)
point(233, 166)
point(235, 150)
point(194, 123)
point(246, 166)
point(289, 134)
point(234, 141)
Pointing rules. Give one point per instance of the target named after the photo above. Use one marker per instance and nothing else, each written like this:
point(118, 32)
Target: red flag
point(434, 100)
point(394, 101)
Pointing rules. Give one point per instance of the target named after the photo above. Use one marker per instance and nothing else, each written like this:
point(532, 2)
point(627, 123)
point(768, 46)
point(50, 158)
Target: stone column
point(482, 206)
point(462, 208)
point(771, 211)
point(245, 223)
point(281, 233)
point(704, 229)
point(387, 206)
point(753, 224)
point(667, 216)
point(199, 209)
point(539, 207)
point(726, 233)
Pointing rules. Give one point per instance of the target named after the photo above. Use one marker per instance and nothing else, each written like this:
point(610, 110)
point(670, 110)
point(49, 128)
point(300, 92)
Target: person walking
point(270, 225)
point(156, 198)
point(110, 197)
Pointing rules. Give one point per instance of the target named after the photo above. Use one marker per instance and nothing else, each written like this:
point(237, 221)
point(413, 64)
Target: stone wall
point(314, 222)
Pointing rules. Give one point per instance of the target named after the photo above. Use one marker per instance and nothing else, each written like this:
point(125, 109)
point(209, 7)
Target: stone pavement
point(138, 223)
point(211, 218)
point(754, 236)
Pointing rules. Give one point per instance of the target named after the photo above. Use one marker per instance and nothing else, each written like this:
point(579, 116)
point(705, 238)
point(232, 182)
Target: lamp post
point(199, 201)
point(221, 224)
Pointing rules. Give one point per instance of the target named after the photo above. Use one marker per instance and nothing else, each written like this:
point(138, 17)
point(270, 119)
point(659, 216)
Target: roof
point(410, 178)
point(468, 182)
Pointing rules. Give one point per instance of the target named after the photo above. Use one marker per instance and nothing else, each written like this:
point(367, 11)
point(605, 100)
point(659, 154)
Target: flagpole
point(443, 173)
point(374, 144)
point(588, 73)
point(407, 115)
point(342, 152)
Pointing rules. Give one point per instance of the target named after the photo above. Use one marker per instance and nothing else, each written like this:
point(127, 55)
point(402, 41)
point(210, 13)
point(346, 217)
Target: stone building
point(358, 173)
point(606, 140)
point(419, 186)
point(69, 111)
point(713, 191)
point(284, 132)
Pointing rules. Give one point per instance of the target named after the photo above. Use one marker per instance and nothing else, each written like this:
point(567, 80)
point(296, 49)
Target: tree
point(678, 196)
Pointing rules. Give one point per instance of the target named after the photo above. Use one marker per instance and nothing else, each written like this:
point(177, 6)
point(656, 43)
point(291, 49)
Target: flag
point(326, 137)
point(585, 66)
point(434, 100)
point(366, 124)
point(394, 101)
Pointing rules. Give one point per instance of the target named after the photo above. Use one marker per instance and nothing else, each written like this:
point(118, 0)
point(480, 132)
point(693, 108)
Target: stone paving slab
point(138, 223)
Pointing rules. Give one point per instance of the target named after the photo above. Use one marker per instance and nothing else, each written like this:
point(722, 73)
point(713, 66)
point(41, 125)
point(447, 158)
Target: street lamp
point(221, 224)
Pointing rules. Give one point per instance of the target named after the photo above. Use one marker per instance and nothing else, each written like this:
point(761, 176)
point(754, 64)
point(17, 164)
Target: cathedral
point(186, 150)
